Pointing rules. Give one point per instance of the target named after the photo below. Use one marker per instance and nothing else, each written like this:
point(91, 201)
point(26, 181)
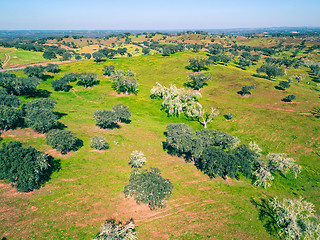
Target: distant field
point(88, 188)
point(20, 57)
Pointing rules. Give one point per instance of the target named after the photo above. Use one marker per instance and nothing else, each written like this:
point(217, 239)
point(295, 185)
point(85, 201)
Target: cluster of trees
point(26, 168)
point(285, 61)
point(198, 80)
point(271, 70)
point(85, 79)
point(217, 153)
point(124, 81)
point(39, 114)
point(110, 118)
point(18, 85)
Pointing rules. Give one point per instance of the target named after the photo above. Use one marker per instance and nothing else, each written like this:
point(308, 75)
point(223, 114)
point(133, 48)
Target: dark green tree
point(53, 68)
point(198, 80)
point(246, 89)
point(87, 56)
point(88, 79)
point(289, 98)
point(284, 85)
point(271, 70)
point(49, 55)
point(25, 168)
point(145, 50)
point(9, 100)
point(35, 71)
point(66, 56)
point(18, 85)
point(10, 117)
point(46, 103)
point(41, 119)
point(149, 187)
point(196, 64)
point(179, 138)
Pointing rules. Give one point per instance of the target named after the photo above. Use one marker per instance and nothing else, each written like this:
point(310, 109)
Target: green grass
point(88, 188)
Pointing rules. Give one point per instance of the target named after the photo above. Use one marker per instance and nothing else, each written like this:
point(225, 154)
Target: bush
point(99, 142)
point(25, 168)
point(41, 119)
point(289, 98)
point(62, 140)
point(122, 112)
point(10, 117)
point(228, 115)
point(61, 85)
point(149, 187)
point(284, 85)
point(246, 89)
point(105, 118)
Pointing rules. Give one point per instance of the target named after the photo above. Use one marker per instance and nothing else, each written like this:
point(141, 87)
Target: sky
point(159, 15)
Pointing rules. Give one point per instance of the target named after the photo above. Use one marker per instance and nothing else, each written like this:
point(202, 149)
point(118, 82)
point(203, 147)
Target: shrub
point(228, 115)
point(25, 168)
point(284, 85)
point(289, 98)
point(149, 187)
point(137, 159)
point(105, 118)
point(246, 90)
point(122, 112)
point(99, 142)
point(62, 140)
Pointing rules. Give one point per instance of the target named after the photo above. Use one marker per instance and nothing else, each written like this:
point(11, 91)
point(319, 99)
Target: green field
point(88, 188)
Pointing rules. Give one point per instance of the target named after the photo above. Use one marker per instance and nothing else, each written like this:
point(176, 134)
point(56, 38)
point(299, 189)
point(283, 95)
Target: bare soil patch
point(22, 133)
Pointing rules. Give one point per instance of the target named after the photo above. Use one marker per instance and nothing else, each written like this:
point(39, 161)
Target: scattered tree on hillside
point(53, 68)
point(149, 187)
point(124, 81)
point(243, 62)
point(99, 142)
point(108, 70)
point(87, 79)
point(289, 98)
point(122, 112)
point(316, 111)
point(197, 111)
point(35, 71)
point(41, 119)
point(62, 140)
point(98, 56)
point(196, 64)
point(271, 70)
point(246, 90)
point(105, 118)
point(197, 80)
point(284, 85)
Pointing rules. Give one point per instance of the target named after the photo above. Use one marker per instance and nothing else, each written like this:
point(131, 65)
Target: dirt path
point(35, 64)
point(8, 57)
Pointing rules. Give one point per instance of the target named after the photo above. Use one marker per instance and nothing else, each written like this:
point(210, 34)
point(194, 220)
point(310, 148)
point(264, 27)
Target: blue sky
point(160, 15)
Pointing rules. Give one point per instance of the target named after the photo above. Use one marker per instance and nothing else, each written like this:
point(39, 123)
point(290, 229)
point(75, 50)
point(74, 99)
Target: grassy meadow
point(87, 189)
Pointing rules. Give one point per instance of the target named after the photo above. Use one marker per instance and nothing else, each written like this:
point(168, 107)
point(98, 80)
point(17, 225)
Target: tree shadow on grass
point(279, 88)
point(54, 166)
point(39, 93)
point(266, 214)
point(262, 76)
point(196, 69)
point(60, 115)
point(45, 77)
